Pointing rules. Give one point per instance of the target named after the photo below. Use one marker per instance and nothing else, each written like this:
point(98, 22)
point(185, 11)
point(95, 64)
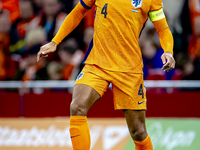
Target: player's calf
point(136, 124)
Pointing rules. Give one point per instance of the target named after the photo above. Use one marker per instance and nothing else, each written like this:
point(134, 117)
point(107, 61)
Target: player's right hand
point(45, 49)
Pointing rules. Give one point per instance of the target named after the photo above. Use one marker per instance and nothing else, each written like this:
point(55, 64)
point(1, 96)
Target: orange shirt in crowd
point(13, 7)
point(7, 66)
point(89, 18)
point(67, 71)
point(194, 44)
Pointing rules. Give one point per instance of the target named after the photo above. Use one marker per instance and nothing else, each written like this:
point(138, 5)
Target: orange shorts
point(128, 88)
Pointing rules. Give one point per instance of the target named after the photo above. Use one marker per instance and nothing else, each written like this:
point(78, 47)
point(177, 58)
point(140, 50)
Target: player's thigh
point(89, 88)
point(83, 98)
point(136, 123)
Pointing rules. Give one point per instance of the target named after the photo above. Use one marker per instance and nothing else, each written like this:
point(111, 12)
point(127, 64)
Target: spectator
point(181, 39)
point(50, 19)
point(185, 64)
point(152, 61)
point(81, 32)
point(89, 27)
point(37, 6)
point(190, 68)
point(87, 36)
point(89, 18)
point(20, 27)
point(54, 70)
point(194, 44)
point(13, 7)
point(1, 6)
point(29, 69)
point(71, 57)
point(188, 60)
point(7, 66)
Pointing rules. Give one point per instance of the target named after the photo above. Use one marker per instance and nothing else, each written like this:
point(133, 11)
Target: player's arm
point(166, 38)
point(68, 25)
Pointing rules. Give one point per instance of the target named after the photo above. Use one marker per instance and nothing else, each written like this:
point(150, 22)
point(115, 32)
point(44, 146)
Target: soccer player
point(114, 56)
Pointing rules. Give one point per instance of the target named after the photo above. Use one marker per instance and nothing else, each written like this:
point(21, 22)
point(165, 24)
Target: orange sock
point(146, 144)
point(80, 134)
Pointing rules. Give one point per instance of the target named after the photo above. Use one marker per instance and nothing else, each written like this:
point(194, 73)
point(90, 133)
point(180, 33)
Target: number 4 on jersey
point(104, 10)
point(140, 92)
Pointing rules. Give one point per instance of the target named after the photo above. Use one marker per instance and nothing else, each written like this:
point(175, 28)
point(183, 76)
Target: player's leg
point(136, 123)
point(83, 98)
point(89, 87)
point(130, 96)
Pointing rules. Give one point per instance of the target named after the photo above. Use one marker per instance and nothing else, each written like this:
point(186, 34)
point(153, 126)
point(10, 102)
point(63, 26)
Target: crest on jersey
point(80, 76)
point(136, 3)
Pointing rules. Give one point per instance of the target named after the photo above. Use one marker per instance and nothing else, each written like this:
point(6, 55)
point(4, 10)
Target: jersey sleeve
point(156, 5)
point(87, 3)
point(70, 23)
point(165, 35)
point(156, 10)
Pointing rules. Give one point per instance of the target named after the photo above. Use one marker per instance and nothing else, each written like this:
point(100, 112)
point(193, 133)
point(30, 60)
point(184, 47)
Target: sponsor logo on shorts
point(74, 136)
point(80, 76)
point(139, 103)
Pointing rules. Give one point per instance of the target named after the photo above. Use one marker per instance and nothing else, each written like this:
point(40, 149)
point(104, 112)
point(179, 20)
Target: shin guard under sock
point(80, 134)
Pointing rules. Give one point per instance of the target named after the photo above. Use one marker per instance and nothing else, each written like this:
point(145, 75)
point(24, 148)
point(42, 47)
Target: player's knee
point(138, 134)
point(78, 109)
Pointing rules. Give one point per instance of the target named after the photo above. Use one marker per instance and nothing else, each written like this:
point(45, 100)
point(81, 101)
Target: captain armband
point(156, 15)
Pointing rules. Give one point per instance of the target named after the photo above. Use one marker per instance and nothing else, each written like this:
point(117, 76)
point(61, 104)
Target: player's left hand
point(168, 61)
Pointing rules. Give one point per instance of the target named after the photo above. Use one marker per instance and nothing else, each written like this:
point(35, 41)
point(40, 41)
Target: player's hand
point(168, 61)
point(45, 49)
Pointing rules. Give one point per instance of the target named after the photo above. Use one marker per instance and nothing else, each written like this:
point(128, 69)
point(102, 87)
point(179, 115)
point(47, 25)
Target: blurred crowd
point(26, 25)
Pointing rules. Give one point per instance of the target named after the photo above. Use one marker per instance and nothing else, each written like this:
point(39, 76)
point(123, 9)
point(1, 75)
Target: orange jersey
point(118, 24)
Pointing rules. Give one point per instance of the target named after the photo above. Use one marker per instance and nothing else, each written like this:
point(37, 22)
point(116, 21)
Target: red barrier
point(9, 105)
point(182, 104)
point(58, 104)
